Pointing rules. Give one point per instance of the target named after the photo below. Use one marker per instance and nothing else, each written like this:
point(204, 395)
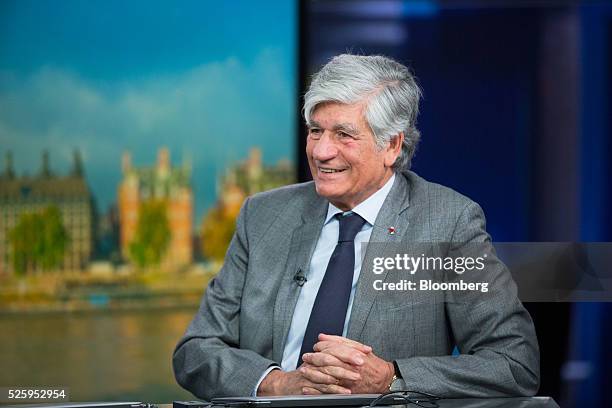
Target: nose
point(324, 148)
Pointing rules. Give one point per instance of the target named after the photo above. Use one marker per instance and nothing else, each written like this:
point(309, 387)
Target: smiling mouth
point(328, 171)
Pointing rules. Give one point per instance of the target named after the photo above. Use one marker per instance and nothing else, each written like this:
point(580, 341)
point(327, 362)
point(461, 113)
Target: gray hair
point(390, 90)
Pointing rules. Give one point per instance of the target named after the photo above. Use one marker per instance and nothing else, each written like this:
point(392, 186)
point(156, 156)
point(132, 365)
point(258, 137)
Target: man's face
point(345, 162)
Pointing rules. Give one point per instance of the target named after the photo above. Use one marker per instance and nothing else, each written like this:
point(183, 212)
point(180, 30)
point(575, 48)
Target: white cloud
point(213, 112)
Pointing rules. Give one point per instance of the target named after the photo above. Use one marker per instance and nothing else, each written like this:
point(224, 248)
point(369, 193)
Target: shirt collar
point(369, 208)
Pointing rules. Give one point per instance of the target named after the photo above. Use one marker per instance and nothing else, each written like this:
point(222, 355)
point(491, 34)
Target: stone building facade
point(28, 194)
point(165, 182)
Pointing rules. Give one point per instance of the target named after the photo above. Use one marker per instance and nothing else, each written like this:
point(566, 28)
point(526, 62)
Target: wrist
point(397, 383)
point(269, 384)
point(390, 377)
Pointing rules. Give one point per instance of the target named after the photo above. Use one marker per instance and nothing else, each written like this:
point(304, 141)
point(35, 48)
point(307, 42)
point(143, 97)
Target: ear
point(393, 149)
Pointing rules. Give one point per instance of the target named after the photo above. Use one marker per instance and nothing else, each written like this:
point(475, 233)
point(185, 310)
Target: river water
point(120, 355)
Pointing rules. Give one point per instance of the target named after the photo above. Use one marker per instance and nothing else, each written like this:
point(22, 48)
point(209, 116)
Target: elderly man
point(292, 311)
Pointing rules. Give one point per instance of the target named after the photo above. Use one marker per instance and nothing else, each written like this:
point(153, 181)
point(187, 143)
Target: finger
point(341, 373)
point(331, 389)
point(343, 352)
point(311, 391)
point(329, 374)
point(352, 343)
point(320, 359)
point(315, 375)
point(322, 345)
point(338, 368)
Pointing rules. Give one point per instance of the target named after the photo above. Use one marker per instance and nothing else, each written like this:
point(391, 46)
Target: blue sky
point(208, 79)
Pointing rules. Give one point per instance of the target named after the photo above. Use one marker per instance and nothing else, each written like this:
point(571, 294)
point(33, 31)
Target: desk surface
point(516, 402)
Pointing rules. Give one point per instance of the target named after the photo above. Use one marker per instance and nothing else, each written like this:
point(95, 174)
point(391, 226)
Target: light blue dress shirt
point(326, 244)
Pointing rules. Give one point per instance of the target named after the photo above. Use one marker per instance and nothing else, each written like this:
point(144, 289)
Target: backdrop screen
point(130, 134)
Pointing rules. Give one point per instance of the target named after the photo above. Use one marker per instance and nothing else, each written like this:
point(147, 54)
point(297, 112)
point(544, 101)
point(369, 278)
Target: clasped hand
point(336, 366)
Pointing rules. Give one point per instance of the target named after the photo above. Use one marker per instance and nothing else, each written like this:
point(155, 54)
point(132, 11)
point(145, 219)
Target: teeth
point(329, 170)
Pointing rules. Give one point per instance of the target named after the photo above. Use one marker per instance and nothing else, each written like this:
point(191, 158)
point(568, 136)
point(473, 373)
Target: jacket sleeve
point(499, 353)
point(208, 361)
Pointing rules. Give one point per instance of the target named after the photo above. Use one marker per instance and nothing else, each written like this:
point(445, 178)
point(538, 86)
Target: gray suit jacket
point(243, 321)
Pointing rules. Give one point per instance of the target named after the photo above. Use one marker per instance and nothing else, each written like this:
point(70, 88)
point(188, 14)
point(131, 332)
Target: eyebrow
point(344, 127)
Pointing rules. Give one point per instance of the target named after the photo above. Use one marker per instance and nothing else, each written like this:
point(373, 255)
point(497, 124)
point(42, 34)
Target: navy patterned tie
point(330, 306)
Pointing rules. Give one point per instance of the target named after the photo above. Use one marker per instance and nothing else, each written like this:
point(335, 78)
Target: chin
point(324, 189)
point(328, 192)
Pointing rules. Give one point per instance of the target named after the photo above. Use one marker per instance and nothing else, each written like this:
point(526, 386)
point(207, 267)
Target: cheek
point(353, 153)
point(370, 163)
point(364, 158)
point(309, 148)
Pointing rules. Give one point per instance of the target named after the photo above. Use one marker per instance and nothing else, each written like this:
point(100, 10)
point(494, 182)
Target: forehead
point(330, 114)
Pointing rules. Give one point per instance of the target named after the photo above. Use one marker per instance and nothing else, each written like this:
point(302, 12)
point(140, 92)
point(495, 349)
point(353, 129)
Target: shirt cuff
point(262, 377)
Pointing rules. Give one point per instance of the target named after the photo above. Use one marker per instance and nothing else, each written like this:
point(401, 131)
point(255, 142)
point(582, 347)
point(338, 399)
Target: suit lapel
point(395, 204)
point(303, 242)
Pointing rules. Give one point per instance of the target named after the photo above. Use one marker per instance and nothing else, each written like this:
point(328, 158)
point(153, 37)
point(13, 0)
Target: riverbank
point(90, 292)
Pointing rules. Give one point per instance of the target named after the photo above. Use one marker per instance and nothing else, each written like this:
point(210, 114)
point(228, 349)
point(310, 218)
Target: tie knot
point(350, 224)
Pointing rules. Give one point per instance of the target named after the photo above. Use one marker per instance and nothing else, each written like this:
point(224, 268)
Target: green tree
point(217, 230)
point(152, 234)
point(38, 240)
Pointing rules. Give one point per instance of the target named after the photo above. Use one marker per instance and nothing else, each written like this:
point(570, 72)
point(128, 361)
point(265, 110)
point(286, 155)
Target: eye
point(345, 136)
point(314, 133)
